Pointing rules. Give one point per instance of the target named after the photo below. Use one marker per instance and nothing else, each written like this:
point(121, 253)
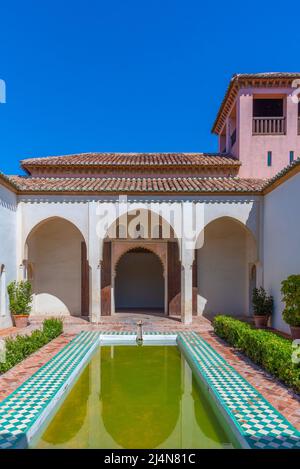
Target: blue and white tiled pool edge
point(24, 411)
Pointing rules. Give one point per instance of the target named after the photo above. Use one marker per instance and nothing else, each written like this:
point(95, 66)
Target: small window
point(291, 156)
point(267, 107)
point(269, 158)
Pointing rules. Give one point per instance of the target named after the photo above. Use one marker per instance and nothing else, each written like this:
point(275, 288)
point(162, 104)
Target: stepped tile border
point(256, 423)
point(133, 332)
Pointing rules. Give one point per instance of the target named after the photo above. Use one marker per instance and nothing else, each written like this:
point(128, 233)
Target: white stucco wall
point(281, 241)
point(82, 212)
point(223, 269)
point(54, 256)
point(8, 244)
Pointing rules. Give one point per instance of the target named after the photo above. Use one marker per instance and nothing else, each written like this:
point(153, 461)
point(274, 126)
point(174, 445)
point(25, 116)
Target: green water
point(135, 397)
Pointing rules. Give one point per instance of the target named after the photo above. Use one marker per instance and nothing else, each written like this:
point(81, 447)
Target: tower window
point(269, 158)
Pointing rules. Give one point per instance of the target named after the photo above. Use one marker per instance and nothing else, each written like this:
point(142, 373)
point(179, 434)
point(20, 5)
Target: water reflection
point(135, 397)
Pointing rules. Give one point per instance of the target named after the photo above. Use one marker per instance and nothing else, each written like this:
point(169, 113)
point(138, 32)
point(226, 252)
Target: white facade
point(281, 240)
point(41, 237)
point(8, 249)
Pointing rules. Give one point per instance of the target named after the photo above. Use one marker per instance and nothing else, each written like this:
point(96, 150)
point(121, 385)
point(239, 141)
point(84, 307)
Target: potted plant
point(290, 289)
point(20, 299)
point(262, 307)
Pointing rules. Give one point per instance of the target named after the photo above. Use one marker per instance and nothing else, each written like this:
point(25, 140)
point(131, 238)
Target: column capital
point(188, 257)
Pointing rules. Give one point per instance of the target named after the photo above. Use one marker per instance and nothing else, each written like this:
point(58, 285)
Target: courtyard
point(285, 401)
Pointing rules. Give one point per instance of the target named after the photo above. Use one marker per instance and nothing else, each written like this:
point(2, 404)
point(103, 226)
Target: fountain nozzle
point(139, 332)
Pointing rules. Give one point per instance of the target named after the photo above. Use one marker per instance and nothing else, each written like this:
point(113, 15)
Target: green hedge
point(22, 346)
point(270, 351)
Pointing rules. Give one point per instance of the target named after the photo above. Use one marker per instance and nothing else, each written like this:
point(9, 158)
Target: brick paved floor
point(277, 394)
point(10, 380)
point(7, 331)
point(13, 331)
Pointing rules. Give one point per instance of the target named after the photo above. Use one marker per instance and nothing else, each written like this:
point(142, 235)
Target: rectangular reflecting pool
point(136, 397)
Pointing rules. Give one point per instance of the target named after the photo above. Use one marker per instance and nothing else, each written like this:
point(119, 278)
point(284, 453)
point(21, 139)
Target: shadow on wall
point(224, 268)
point(54, 267)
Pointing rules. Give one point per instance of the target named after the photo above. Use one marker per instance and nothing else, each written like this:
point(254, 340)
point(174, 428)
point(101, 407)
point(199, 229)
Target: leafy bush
point(270, 351)
point(262, 303)
point(52, 327)
point(20, 297)
point(290, 289)
point(21, 347)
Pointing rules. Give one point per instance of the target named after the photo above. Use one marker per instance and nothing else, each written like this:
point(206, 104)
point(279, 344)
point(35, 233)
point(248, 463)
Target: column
point(187, 293)
point(93, 249)
point(188, 240)
point(95, 292)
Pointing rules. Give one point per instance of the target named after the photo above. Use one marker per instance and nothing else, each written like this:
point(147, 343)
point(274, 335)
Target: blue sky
point(134, 75)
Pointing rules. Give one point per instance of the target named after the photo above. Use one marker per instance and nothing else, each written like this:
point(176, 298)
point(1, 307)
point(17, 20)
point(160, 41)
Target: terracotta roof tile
point(134, 159)
point(8, 181)
point(127, 185)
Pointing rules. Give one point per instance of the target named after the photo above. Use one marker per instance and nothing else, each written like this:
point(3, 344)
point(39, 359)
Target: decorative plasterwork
point(120, 248)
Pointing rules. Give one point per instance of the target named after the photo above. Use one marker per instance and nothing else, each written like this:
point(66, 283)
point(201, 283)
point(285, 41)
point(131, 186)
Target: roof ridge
point(73, 178)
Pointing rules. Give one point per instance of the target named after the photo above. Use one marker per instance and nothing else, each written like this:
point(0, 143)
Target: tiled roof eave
point(244, 80)
point(143, 192)
point(121, 161)
point(8, 182)
point(182, 185)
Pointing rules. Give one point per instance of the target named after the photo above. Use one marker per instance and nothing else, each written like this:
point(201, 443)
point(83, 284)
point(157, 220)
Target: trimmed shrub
point(52, 327)
point(270, 351)
point(22, 346)
point(223, 326)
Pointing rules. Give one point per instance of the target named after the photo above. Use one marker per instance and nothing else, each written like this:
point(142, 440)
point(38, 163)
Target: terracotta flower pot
point(295, 332)
point(20, 320)
point(261, 321)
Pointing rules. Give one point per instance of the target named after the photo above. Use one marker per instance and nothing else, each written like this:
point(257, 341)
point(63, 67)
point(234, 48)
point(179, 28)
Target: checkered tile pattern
point(260, 425)
point(20, 410)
